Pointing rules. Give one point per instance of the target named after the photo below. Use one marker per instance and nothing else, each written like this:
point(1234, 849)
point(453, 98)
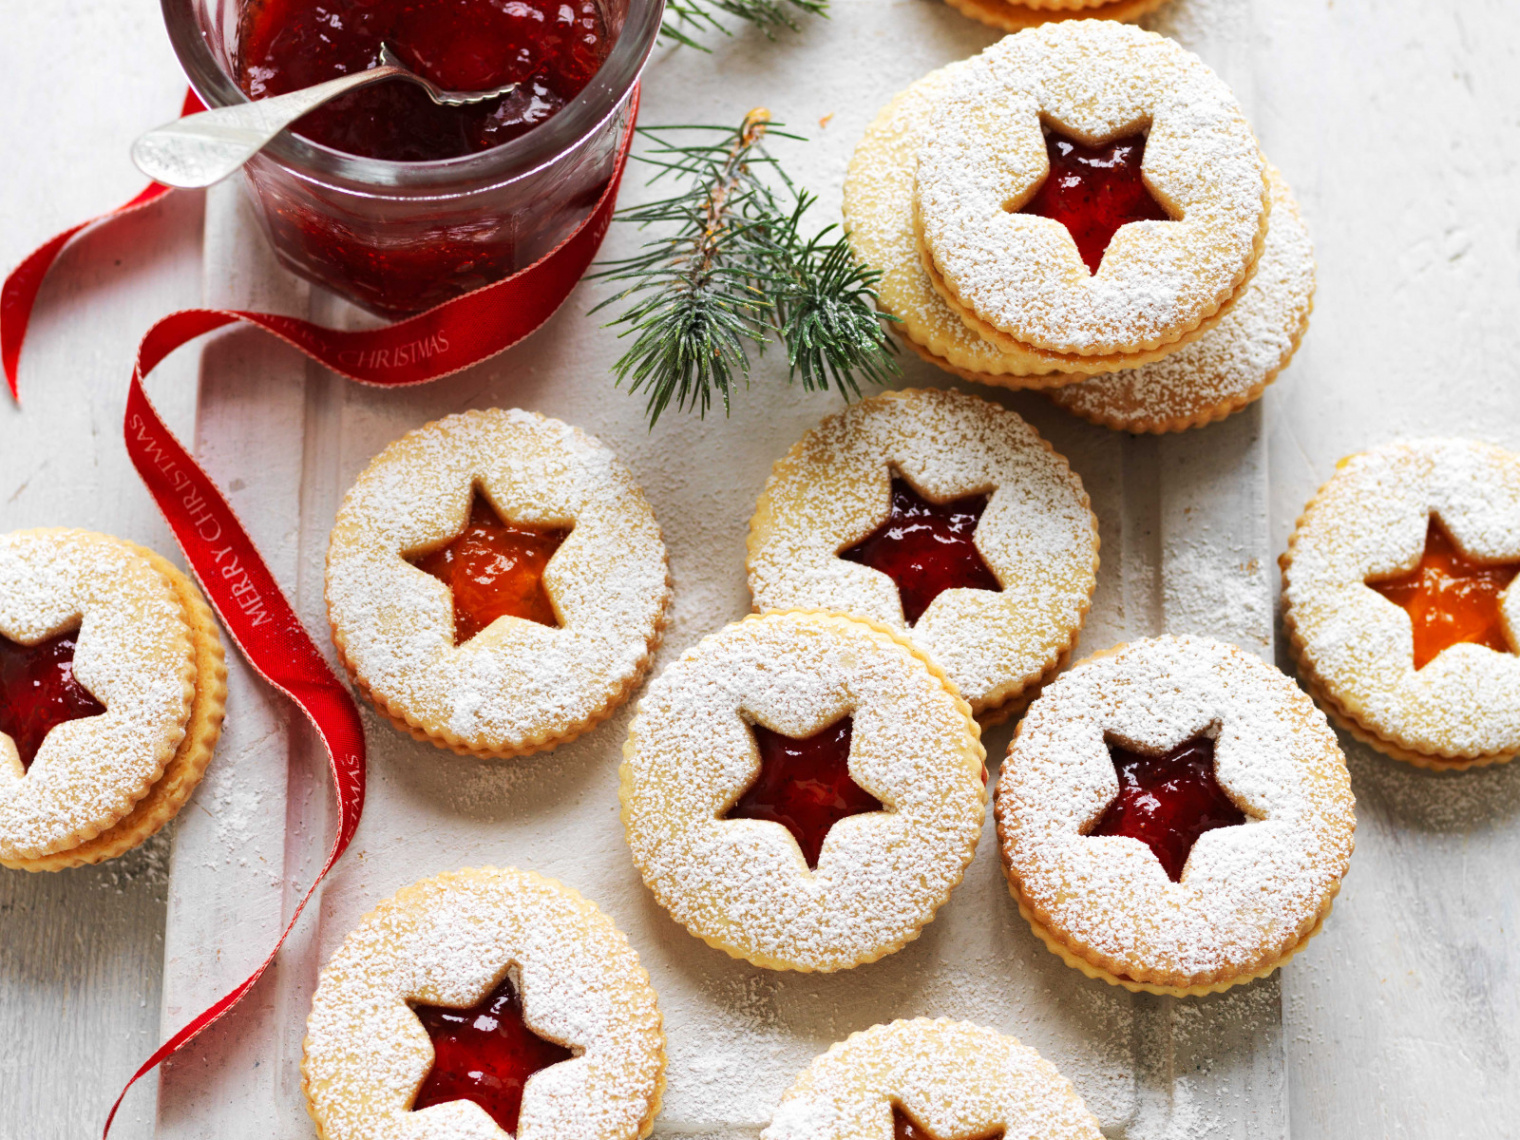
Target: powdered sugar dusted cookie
point(480, 1003)
point(496, 582)
point(1175, 816)
point(1400, 603)
point(723, 772)
point(112, 691)
point(945, 517)
point(1002, 254)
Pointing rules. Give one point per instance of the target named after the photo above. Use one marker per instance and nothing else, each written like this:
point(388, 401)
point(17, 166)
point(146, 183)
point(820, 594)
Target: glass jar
point(399, 237)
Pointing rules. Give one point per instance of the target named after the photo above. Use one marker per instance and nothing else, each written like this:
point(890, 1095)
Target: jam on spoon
point(494, 569)
point(1094, 191)
point(804, 785)
point(926, 548)
point(38, 692)
point(1168, 801)
point(550, 50)
point(1450, 598)
point(484, 1054)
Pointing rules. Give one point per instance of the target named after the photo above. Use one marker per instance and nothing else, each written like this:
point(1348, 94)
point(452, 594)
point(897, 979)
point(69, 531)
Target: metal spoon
point(202, 149)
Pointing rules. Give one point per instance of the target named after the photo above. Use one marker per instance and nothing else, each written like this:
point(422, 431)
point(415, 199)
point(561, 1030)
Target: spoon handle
point(202, 149)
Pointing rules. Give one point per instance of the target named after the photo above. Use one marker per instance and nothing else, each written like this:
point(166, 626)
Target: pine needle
point(734, 271)
point(685, 18)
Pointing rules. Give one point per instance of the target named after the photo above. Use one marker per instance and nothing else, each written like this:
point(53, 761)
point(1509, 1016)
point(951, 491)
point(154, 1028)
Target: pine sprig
point(733, 271)
point(685, 18)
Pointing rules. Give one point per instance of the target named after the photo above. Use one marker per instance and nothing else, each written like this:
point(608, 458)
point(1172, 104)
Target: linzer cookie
point(1161, 245)
point(1400, 603)
point(1175, 817)
point(1100, 188)
point(112, 692)
point(944, 517)
point(931, 1080)
point(496, 583)
point(483, 1003)
point(1016, 15)
point(803, 790)
point(1230, 365)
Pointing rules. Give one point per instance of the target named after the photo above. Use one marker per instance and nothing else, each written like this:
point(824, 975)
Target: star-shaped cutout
point(1095, 191)
point(905, 1127)
point(495, 569)
point(926, 548)
point(1168, 801)
point(484, 1054)
point(1449, 598)
point(38, 692)
point(804, 785)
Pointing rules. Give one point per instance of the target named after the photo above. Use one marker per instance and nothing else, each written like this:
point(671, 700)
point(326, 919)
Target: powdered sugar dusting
point(1038, 534)
point(1369, 522)
point(743, 885)
point(134, 655)
point(1095, 80)
point(951, 1077)
point(448, 941)
point(1249, 893)
point(518, 684)
point(1233, 362)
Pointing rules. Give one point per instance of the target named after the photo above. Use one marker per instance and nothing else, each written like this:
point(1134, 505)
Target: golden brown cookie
point(496, 583)
point(1230, 366)
point(484, 1002)
point(112, 692)
point(1091, 81)
point(719, 786)
point(996, 568)
point(1399, 600)
point(1016, 15)
point(943, 1079)
point(1175, 817)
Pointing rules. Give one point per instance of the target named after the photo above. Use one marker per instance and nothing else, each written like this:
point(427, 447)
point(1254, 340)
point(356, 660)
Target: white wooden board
point(1184, 527)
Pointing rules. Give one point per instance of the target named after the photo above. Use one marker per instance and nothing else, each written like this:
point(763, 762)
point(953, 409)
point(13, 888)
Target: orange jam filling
point(495, 569)
point(1450, 598)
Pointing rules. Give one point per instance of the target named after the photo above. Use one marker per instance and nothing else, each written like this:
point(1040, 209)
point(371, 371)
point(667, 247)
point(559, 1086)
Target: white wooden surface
point(1395, 123)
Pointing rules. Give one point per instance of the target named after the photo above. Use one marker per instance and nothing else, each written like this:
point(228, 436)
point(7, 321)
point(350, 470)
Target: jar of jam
point(389, 200)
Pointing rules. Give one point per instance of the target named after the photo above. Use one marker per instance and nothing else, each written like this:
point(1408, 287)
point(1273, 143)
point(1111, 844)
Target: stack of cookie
point(1083, 208)
point(1016, 15)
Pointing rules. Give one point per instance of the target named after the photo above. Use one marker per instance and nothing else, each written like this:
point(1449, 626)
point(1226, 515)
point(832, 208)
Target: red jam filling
point(38, 692)
point(804, 785)
point(1450, 598)
point(495, 569)
point(549, 49)
point(904, 1127)
point(484, 1054)
point(1168, 801)
point(1094, 191)
point(926, 548)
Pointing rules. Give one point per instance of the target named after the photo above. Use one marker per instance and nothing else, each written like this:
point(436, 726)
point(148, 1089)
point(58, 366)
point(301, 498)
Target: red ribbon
point(441, 341)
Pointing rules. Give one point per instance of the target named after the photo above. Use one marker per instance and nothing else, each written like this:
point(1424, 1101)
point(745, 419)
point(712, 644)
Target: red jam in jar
point(549, 48)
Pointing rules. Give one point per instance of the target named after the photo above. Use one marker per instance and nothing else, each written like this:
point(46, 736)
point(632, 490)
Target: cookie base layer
point(1015, 17)
point(1098, 973)
point(188, 765)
